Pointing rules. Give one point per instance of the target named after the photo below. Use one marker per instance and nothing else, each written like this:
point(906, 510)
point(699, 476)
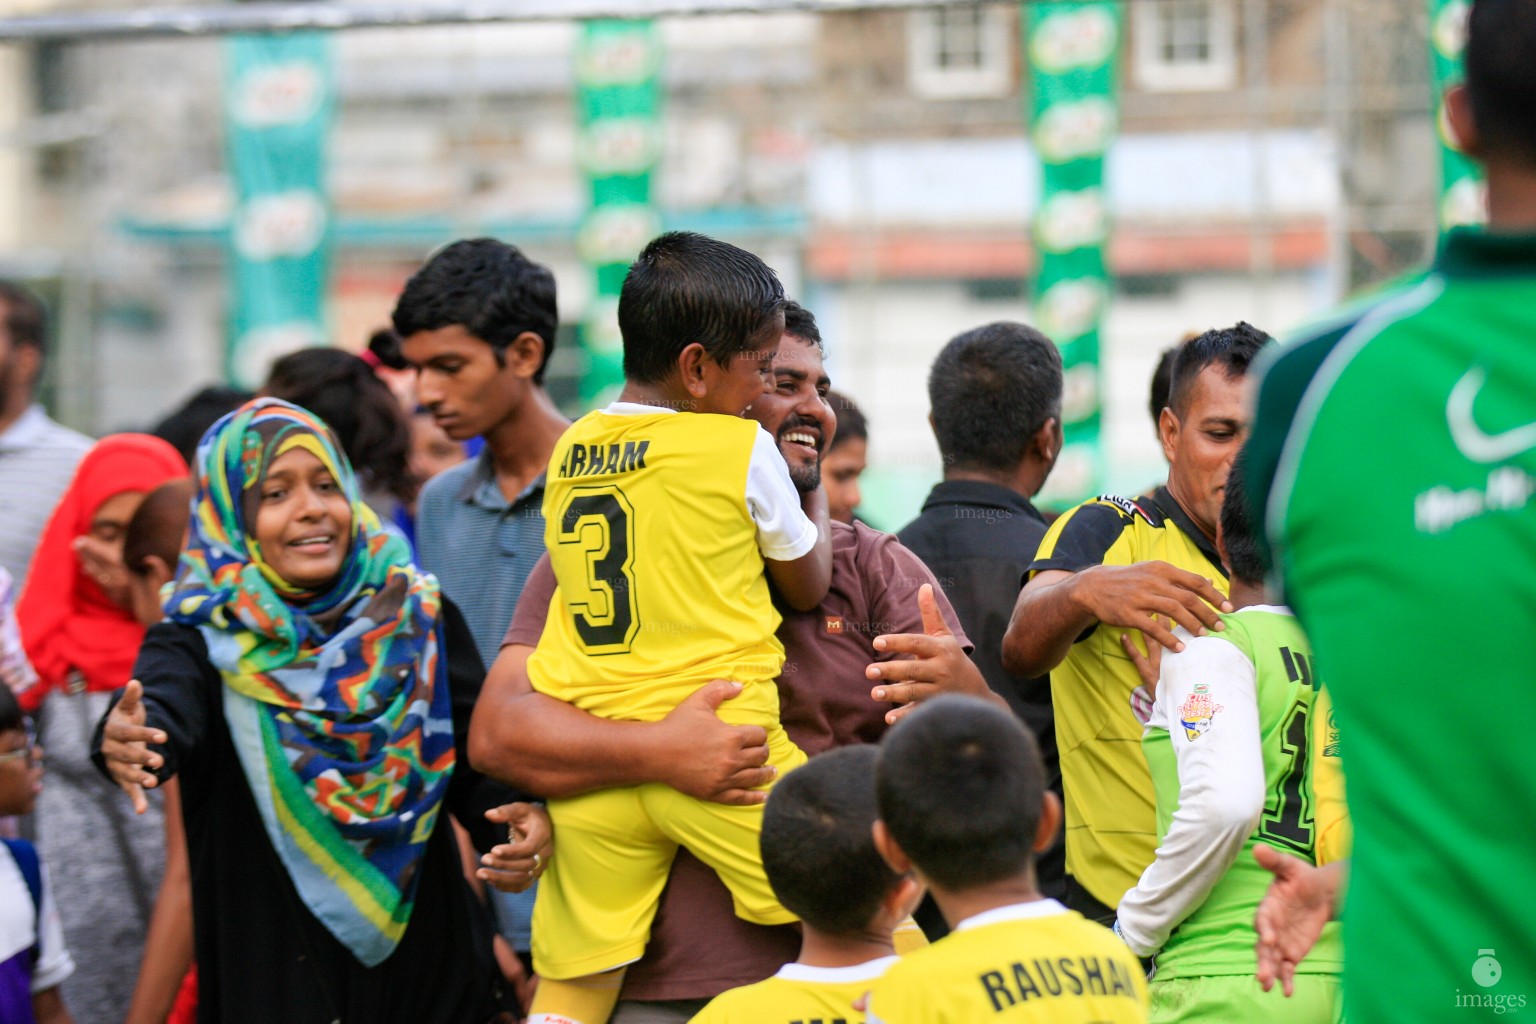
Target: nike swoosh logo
point(1469, 437)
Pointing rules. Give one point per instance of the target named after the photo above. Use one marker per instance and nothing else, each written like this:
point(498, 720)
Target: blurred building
point(1273, 153)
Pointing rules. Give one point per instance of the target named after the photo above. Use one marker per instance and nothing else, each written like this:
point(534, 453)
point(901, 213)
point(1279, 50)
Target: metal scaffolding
point(153, 22)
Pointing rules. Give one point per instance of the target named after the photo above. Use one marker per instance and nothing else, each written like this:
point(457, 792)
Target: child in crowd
point(820, 857)
point(33, 959)
point(662, 512)
point(963, 806)
point(166, 991)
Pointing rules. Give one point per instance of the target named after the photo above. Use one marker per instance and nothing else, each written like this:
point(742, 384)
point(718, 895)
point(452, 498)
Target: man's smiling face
point(796, 412)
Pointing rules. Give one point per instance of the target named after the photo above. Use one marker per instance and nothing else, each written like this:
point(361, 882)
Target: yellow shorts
point(613, 852)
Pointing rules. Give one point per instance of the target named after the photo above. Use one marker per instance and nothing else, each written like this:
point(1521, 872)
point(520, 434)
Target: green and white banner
point(618, 65)
point(278, 103)
point(1463, 199)
point(1073, 51)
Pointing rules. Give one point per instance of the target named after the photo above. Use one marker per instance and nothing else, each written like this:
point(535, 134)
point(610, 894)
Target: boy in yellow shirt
point(820, 856)
point(666, 514)
point(963, 806)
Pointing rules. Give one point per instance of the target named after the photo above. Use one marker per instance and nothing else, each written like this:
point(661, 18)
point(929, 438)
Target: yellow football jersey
point(1029, 962)
point(1111, 826)
point(661, 584)
point(798, 994)
point(1335, 834)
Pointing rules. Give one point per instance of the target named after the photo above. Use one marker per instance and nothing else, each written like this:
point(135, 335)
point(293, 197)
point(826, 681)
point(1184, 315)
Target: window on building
point(960, 52)
point(1185, 45)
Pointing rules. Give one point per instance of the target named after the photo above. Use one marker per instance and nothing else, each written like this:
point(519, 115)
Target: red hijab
point(67, 621)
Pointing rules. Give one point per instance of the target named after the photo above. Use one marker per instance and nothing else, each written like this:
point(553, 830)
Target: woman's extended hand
point(125, 746)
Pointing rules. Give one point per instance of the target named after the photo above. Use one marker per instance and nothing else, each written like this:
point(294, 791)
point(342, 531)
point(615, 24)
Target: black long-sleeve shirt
point(261, 955)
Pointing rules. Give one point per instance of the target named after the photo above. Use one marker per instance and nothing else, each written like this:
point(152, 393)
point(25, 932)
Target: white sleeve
point(54, 963)
point(784, 531)
point(1207, 698)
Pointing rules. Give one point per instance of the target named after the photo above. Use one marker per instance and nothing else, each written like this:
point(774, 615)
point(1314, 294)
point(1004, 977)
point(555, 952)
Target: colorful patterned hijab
point(337, 700)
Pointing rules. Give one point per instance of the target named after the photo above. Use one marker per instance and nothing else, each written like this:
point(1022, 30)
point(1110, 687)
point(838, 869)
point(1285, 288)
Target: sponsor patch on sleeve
point(1197, 712)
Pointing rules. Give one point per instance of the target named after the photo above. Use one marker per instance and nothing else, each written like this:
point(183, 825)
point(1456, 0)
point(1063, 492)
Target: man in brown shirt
point(698, 947)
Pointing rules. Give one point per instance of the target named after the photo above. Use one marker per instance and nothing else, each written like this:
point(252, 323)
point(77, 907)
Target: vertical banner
point(1073, 50)
point(1462, 197)
point(618, 87)
point(278, 105)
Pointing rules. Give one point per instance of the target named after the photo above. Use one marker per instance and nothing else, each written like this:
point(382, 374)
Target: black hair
point(368, 420)
point(487, 287)
point(1247, 556)
point(1231, 348)
point(801, 323)
point(961, 786)
point(10, 710)
point(685, 288)
point(818, 849)
point(185, 426)
point(991, 390)
point(384, 345)
point(159, 526)
point(851, 425)
point(26, 318)
point(1162, 384)
point(1501, 77)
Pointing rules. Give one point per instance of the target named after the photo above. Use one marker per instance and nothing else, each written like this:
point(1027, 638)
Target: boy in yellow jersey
point(963, 805)
point(662, 512)
point(819, 852)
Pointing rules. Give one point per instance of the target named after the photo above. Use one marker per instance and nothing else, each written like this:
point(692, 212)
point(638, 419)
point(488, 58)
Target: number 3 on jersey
point(600, 521)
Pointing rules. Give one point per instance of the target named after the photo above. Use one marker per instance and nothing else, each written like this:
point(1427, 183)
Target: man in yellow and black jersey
point(1112, 566)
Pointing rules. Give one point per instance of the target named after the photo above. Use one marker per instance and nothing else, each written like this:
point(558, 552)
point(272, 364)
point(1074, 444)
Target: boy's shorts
point(613, 853)
point(1231, 998)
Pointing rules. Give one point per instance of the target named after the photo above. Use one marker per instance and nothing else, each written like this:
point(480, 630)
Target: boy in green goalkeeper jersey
point(1394, 460)
point(1228, 741)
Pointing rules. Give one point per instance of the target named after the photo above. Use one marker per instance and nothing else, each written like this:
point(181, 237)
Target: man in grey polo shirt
point(37, 456)
point(478, 322)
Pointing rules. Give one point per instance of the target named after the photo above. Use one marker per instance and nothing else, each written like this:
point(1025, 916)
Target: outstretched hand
point(514, 865)
point(125, 746)
point(1148, 595)
point(936, 663)
point(1298, 903)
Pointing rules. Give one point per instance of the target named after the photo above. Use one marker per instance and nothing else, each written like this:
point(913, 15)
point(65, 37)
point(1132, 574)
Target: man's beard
point(806, 478)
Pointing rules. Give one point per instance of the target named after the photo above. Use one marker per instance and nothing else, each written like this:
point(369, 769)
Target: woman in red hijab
point(82, 638)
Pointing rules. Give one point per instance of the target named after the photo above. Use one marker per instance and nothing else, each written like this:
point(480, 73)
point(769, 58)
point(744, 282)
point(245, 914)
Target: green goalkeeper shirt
point(1393, 459)
point(1229, 743)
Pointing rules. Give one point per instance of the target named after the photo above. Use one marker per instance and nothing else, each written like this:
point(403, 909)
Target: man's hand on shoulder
point(1147, 596)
